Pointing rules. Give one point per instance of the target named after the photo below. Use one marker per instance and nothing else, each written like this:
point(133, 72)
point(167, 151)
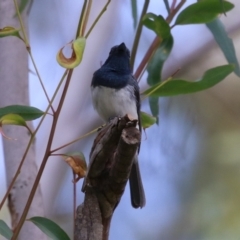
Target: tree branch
point(111, 161)
point(88, 219)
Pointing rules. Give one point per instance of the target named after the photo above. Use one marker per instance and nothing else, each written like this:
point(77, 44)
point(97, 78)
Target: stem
point(59, 154)
point(159, 86)
point(45, 158)
point(80, 24)
point(29, 51)
point(173, 5)
point(21, 24)
point(174, 11)
point(98, 17)
point(138, 34)
point(76, 140)
point(167, 6)
point(74, 201)
point(86, 16)
point(156, 42)
point(39, 78)
point(147, 56)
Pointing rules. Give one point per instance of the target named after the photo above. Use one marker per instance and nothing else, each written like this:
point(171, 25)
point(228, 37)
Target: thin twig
point(86, 16)
point(159, 86)
point(173, 5)
point(138, 34)
point(39, 77)
point(76, 140)
point(174, 11)
point(80, 23)
point(98, 17)
point(74, 200)
point(29, 51)
point(21, 24)
point(147, 57)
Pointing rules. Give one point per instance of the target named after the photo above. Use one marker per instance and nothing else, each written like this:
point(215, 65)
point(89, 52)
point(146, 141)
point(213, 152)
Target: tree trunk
point(14, 90)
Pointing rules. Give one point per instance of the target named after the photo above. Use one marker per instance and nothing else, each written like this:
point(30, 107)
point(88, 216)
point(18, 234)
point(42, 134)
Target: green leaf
point(179, 86)
point(224, 42)
point(26, 112)
point(167, 5)
point(154, 107)
point(154, 70)
point(5, 230)
point(155, 65)
point(162, 29)
point(22, 5)
point(12, 119)
point(50, 228)
point(157, 24)
point(221, 1)
point(147, 120)
point(203, 12)
point(9, 31)
point(134, 12)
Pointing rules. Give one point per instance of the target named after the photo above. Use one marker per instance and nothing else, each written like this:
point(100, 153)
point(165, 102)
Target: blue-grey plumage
point(115, 93)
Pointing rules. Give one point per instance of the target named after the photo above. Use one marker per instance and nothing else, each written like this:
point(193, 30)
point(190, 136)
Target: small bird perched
point(115, 93)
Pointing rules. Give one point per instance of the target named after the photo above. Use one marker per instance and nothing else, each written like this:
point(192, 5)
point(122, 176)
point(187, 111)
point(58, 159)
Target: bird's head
point(119, 58)
point(120, 51)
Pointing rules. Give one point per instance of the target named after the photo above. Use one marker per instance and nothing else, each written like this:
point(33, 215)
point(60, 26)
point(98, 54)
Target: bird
point(115, 93)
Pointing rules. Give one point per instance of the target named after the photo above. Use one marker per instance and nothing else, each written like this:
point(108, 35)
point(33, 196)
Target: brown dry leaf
point(77, 163)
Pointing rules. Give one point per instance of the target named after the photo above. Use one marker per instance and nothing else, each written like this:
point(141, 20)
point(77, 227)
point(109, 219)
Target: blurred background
point(190, 162)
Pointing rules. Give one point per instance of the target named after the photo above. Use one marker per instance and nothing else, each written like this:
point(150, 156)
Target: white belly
point(110, 103)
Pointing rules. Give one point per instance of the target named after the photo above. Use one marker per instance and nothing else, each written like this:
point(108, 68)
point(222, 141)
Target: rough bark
point(14, 90)
point(111, 160)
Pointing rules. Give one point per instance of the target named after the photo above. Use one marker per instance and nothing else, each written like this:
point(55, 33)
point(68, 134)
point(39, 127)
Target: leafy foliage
point(159, 25)
point(178, 86)
point(5, 231)
point(9, 31)
point(22, 5)
point(203, 12)
point(167, 5)
point(12, 119)
point(26, 112)
point(224, 42)
point(50, 228)
point(147, 120)
point(134, 12)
